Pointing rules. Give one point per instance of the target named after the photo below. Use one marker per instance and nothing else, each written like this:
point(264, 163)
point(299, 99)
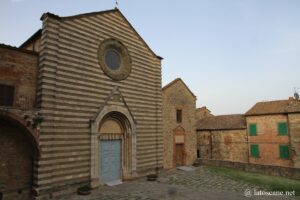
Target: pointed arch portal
point(113, 141)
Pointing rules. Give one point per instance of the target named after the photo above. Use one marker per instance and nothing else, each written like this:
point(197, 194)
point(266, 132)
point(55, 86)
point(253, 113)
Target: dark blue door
point(110, 160)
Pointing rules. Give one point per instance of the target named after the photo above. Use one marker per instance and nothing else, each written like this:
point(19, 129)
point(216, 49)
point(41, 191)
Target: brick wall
point(16, 163)
point(294, 130)
point(268, 140)
point(19, 68)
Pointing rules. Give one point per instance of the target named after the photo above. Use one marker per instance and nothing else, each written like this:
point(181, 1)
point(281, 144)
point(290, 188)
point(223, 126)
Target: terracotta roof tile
point(222, 122)
point(274, 107)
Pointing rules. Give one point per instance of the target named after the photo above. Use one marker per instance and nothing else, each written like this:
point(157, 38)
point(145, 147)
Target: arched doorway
point(17, 152)
point(113, 144)
point(110, 149)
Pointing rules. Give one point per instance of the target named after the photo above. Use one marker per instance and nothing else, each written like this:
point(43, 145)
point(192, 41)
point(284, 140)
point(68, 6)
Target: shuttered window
point(252, 130)
point(284, 152)
point(254, 150)
point(6, 95)
point(282, 128)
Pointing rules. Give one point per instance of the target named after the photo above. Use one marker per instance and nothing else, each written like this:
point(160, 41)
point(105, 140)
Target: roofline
point(174, 81)
point(51, 15)
point(225, 115)
point(54, 16)
point(203, 107)
point(282, 113)
point(260, 102)
point(37, 34)
point(221, 129)
point(18, 49)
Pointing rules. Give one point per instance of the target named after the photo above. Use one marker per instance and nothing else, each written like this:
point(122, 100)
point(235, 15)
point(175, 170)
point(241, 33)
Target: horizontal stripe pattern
point(72, 88)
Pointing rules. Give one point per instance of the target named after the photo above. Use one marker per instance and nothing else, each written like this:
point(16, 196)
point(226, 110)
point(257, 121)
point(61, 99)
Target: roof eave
point(18, 49)
point(261, 114)
point(222, 129)
point(37, 34)
point(175, 81)
point(51, 15)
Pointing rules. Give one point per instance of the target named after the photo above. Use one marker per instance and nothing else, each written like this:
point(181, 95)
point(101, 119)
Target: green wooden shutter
point(252, 129)
point(282, 128)
point(254, 150)
point(284, 152)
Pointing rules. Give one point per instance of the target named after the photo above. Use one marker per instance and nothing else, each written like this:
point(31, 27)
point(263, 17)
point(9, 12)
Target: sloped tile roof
point(222, 122)
point(274, 107)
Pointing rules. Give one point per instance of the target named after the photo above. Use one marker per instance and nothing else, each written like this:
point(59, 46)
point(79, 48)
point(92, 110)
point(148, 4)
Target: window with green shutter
point(254, 150)
point(284, 151)
point(252, 129)
point(282, 128)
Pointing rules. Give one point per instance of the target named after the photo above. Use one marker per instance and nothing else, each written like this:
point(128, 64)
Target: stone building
point(19, 144)
point(84, 94)
point(274, 133)
point(268, 134)
point(222, 137)
point(203, 112)
point(179, 124)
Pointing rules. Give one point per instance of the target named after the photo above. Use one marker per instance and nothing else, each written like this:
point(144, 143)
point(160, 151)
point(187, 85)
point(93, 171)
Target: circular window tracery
point(114, 59)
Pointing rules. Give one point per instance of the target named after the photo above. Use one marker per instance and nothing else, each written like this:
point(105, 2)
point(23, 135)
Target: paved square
point(179, 185)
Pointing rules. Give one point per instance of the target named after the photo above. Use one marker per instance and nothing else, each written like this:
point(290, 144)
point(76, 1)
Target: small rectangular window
point(7, 95)
point(179, 116)
point(282, 128)
point(252, 130)
point(254, 150)
point(284, 152)
point(198, 153)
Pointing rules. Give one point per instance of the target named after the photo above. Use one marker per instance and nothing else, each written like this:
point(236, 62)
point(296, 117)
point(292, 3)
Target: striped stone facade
point(75, 96)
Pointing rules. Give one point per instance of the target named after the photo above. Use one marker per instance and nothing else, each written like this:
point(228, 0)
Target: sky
point(231, 53)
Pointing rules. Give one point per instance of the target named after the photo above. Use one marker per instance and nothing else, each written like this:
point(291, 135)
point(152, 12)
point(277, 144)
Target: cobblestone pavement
point(178, 185)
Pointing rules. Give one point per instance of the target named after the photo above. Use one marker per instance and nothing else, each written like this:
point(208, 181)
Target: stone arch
point(19, 151)
point(19, 122)
point(112, 126)
point(124, 118)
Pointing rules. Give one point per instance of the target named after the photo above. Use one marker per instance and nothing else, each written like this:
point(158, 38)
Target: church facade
point(179, 125)
point(97, 104)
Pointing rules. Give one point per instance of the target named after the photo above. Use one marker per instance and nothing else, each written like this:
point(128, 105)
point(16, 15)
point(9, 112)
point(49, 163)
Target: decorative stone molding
point(128, 142)
point(121, 72)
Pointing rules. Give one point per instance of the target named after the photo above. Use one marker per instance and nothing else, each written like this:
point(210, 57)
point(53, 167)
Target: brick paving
point(178, 185)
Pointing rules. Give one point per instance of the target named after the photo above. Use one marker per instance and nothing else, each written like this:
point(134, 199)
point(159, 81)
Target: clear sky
point(231, 53)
